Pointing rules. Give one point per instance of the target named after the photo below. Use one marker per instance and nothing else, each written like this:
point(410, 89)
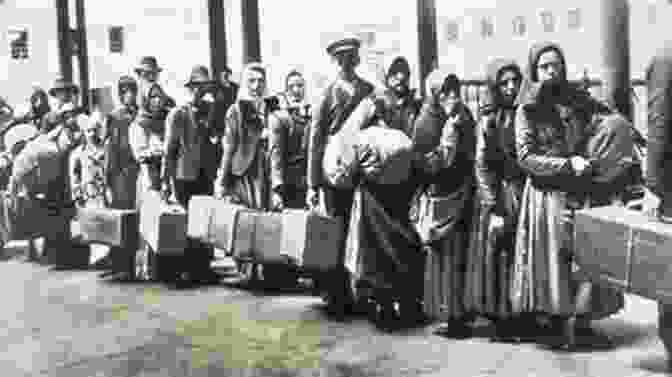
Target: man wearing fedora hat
point(189, 163)
point(336, 104)
point(148, 71)
point(65, 110)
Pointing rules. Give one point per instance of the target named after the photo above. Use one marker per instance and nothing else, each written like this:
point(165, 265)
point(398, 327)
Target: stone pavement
point(73, 324)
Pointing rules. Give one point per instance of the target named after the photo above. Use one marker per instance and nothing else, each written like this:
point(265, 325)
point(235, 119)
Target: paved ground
point(73, 324)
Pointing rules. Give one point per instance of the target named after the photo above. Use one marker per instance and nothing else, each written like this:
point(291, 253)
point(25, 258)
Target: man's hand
point(313, 198)
point(277, 203)
point(650, 203)
point(166, 189)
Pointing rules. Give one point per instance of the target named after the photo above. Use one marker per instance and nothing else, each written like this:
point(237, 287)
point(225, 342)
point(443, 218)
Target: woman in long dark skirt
point(500, 182)
point(383, 250)
point(444, 136)
point(576, 154)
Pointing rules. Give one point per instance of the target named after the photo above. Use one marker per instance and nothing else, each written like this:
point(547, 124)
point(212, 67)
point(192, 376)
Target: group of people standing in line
point(479, 225)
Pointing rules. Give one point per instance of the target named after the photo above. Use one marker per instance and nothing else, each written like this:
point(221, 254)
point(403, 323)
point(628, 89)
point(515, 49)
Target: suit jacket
point(245, 134)
point(333, 109)
point(187, 146)
point(118, 153)
point(224, 98)
point(288, 141)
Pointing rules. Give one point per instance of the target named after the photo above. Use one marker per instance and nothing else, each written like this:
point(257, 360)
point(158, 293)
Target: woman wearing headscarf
point(39, 107)
point(500, 182)
point(444, 136)
point(576, 154)
point(121, 168)
point(146, 135)
point(243, 174)
point(288, 142)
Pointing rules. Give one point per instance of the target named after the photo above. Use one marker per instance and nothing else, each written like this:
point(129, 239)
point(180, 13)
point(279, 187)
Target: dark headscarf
point(493, 98)
point(441, 81)
point(534, 94)
point(44, 107)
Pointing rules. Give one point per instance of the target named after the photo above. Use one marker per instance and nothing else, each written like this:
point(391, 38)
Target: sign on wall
point(18, 43)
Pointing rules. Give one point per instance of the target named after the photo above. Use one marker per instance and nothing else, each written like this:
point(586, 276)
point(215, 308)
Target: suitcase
point(257, 237)
point(111, 227)
point(625, 249)
point(163, 226)
point(311, 240)
point(213, 221)
point(29, 218)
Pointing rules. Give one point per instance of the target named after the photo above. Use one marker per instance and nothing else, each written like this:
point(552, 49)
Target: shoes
point(453, 329)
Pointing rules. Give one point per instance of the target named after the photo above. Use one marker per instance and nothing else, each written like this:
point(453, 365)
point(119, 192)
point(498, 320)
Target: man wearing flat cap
point(189, 163)
point(337, 102)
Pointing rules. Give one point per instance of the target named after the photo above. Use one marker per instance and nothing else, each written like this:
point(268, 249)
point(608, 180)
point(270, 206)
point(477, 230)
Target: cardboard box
point(625, 249)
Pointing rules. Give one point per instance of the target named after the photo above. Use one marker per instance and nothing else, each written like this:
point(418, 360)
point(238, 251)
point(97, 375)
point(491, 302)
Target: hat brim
point(146, 69)
point(190, 83)
point(53, 91)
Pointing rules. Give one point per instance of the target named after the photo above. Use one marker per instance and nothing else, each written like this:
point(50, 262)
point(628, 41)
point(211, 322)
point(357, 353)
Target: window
point(18, 43)
point(547, 21)
point(487, 28)
point(519, 27)
point(452, 31)
point(116, 39)
point(652, 14)
point(574, 18)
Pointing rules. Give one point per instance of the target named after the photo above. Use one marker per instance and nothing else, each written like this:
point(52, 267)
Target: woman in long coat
point(500, 182)
point(121, 168)
point(444, 136)
point(575, 153)
point(146, 135)
point(244, 170)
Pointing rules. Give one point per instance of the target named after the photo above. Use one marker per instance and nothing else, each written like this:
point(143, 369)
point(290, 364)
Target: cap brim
point(53, 91)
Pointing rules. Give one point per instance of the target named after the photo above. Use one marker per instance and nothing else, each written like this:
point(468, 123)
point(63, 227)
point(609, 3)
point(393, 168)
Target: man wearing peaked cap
point(343, 45)
point(190, 162)
point(337, 102)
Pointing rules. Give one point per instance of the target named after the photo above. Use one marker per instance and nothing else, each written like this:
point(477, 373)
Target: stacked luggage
point(287, 244)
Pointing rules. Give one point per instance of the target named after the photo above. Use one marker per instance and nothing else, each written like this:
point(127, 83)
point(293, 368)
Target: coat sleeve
point(659, 86)
point(75, 167)
point(443, 155)
point(317, 138)
point(277, 151)
point(112, 153)
point(486, 176)
point(138, 141)
point(530, 156)
point(229, 145)
point(171, 144)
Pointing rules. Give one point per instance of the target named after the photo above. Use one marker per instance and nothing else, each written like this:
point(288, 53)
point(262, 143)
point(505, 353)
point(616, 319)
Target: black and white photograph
point(335, 188)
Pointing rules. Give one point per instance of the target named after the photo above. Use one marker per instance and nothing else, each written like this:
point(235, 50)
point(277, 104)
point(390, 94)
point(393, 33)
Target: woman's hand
point(277, 203)
point(580, 165)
